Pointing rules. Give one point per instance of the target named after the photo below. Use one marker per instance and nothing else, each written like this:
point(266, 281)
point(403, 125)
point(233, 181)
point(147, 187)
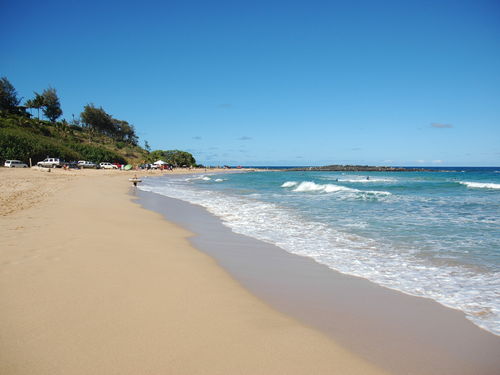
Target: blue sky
point(274, 82)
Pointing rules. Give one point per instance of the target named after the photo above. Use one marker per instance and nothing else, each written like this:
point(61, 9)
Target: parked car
point(50, 163)
point(86, 164)
point(71, 165)
point(15, 164)
point(106, 165)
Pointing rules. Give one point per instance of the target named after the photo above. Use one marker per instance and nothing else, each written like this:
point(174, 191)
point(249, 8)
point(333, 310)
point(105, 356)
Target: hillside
point(22, 138)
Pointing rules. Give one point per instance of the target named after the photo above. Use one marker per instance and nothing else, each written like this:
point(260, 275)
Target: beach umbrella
point(127, 167)
point(160, 162)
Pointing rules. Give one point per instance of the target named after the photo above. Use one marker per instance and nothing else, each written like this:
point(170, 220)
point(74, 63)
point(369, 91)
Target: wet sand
point(400, 333)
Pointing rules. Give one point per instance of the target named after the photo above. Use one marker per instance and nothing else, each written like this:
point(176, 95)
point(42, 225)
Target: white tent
point(160, 162)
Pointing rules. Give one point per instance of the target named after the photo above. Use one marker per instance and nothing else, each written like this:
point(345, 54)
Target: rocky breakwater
point(359, 168)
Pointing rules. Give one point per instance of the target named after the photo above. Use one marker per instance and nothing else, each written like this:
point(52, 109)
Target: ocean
point(429, 234)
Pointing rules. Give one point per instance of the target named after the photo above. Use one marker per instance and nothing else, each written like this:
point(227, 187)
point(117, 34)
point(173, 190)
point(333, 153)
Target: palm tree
point(30, 104)
point(37, 102)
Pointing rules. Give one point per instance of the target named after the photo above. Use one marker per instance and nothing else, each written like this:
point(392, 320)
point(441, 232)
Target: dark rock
point(360, 168)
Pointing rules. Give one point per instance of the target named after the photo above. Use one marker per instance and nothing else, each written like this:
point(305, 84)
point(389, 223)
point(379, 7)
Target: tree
point(147, 146)
point(9, 101)
point(51, 106)
point(96, 119)
point(173, 157)
point(37, 102)
point(30, 104)
point(125, 132)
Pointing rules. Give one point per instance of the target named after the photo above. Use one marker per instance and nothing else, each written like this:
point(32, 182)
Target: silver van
point(15, 164)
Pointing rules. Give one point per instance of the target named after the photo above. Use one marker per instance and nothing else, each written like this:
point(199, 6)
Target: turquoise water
point(430, 234)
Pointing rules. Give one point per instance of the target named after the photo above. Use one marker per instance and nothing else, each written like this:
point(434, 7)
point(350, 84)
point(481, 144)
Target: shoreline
point(396, 331)
point(93, 283)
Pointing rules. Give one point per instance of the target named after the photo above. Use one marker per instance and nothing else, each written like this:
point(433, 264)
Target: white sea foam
point(327, 188)
point(200, 177)
point(453, 285)
point(204, 178)
point(289, 184)
point(480, 185)
point(310, 186)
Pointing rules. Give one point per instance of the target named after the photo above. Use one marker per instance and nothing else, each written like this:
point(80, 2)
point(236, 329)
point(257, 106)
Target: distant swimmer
point(367, 177)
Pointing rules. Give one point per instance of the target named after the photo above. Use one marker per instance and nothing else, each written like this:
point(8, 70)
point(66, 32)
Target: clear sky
point(273, 82)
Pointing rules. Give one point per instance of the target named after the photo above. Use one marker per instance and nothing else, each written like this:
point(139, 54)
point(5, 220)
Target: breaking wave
point(480, 185)
point(310, 186)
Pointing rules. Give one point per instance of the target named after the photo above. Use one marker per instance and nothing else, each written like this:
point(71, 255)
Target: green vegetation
point(97, 137)
point(96, 120)
point(22, 138)
point(173, 157)
point(51, 106)
point(9, 101)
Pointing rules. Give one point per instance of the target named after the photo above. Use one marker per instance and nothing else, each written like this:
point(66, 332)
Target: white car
point(106, 165)
point(50, 163)
point(15, 164)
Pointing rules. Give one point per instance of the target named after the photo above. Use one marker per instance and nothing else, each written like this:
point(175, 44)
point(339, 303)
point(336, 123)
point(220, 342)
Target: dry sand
point(90, 283)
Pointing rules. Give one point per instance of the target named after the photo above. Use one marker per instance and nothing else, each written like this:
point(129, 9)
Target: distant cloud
point(197, 137)
point(299, 157)
point(244, 138)
point(225, 105)
point(420, 161)
point(437, 161)
point(441, 126)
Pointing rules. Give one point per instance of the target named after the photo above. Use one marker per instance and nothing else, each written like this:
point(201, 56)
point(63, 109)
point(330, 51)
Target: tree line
point(173, 157)
point(26, 140)
point(94, 119)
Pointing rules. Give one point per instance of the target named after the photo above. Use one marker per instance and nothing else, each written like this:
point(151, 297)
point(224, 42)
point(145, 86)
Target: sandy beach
point(91, 283)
